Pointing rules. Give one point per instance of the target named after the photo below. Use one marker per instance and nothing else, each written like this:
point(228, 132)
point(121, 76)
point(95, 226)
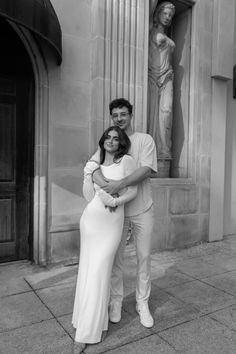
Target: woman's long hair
point(124, 144)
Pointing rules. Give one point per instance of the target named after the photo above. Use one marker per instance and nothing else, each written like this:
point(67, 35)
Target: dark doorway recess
point(16, 147)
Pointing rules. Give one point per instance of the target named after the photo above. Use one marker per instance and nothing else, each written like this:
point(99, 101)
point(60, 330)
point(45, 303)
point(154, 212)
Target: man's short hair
point(119, 103)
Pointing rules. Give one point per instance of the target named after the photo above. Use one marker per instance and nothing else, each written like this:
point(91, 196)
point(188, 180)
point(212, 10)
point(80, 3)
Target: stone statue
point(160, 77)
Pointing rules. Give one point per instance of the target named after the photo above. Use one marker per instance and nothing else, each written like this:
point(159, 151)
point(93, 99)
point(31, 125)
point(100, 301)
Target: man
point(139, 212)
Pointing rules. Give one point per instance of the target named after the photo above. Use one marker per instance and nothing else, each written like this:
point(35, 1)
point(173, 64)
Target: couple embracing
point(117, 187)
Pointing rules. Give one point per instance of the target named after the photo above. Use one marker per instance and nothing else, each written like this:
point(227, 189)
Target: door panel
point(16, 147)
point(6, 220)
point(7, 138)
point(7, 169)
point(7, 230)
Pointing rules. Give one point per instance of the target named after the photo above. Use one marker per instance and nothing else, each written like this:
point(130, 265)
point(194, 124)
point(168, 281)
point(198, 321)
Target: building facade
point(58, 110)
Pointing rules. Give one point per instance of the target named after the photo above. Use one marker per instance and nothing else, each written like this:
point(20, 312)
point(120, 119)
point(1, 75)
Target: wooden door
point(7, 168)
point(16, 154)
point(16, 147)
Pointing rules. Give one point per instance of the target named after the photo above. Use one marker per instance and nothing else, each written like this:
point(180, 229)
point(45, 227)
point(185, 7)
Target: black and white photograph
point(117, 177)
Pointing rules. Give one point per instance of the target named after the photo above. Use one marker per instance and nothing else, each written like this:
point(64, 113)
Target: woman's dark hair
point(120, 103)
point(124, 144)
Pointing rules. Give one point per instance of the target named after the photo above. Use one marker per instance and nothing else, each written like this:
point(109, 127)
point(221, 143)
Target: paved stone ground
point(193, 301)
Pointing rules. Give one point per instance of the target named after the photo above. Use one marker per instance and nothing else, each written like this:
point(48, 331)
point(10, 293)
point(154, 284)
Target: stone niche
point(180, 32)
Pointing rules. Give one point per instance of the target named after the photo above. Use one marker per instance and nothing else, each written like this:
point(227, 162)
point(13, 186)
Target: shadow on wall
point(181, 66)
point(67, 207)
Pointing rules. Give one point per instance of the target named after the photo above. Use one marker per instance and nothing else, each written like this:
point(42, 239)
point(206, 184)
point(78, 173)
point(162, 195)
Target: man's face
point(121, 118)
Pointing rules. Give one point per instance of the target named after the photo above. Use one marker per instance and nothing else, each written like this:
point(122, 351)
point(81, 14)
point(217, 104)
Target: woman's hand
point(112, 209)
point(107, 199)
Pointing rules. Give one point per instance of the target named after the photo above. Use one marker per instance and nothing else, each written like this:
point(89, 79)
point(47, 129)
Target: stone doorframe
point(40, 196)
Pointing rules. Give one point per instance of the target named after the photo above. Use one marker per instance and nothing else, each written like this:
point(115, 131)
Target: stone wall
point(69, 128)
point(105, 55)
point(230, 155)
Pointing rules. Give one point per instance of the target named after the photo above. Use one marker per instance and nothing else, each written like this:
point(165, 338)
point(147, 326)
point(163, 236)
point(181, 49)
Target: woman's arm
point(99, 179)
point(88, 186)
point(127, 194)
point(152, 7)
point(135, 178)
point(110, 201)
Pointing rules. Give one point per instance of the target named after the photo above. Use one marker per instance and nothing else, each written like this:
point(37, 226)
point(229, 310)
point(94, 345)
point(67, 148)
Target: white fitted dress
point(100, 235)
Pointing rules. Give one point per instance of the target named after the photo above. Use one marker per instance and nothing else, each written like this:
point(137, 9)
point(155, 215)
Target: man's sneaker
point(115, 312)
point(146, 318)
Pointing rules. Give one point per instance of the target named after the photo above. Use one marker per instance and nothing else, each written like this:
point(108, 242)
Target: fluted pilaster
point(119, 59)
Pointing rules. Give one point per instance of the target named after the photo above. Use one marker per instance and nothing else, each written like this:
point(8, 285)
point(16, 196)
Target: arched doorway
point(17, 102)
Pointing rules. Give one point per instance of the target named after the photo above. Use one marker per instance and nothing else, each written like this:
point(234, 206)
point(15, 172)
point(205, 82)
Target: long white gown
point(100, 235)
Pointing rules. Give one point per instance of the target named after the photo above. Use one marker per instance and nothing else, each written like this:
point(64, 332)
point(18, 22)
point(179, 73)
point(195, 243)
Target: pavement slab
point(193, 301)
point(53, 277)
point(65, 322)
point(21, 310)
point(59, 299)
point(12, 280)
point(46, 337)
point(149, 345)
point(224, 261)
point(226, 316)
point(231, 241)
point(201, 336)
point(226, 282)
point(126, 331)
point(202, 296)
point(13, 286)
point(168, 277)
point(198, 269)
point(167, 311)
point(206, 249)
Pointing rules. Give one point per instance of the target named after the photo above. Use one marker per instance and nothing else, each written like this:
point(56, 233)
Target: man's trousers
point(142, 228)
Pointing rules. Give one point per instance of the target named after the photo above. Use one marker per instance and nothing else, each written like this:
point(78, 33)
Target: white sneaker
point(146, 318)
point(115, 312)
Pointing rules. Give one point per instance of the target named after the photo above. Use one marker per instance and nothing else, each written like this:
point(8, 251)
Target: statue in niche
point(160, 77)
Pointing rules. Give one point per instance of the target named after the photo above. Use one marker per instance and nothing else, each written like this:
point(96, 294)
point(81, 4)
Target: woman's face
point(111, 142)
point(165, 16)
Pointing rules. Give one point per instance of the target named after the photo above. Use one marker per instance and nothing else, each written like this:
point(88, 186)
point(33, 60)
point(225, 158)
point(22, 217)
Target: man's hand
point(113, 187)
point(112, 209)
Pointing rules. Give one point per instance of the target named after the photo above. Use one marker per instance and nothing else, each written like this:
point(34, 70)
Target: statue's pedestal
point(163, 166)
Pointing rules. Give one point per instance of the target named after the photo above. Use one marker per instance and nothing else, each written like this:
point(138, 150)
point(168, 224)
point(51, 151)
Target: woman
point(101, 228)
point(160, 79)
